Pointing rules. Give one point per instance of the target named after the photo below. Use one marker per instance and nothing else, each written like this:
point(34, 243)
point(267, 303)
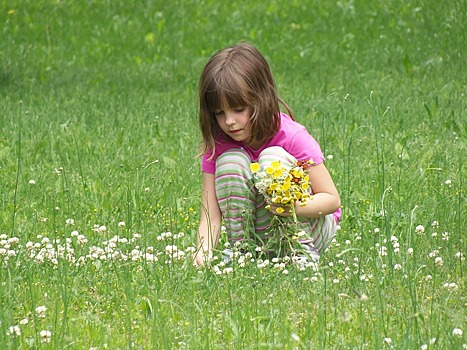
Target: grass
point(98, 108)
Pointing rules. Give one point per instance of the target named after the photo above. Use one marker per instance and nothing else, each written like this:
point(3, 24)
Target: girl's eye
point(218, 112)
point(239, 109)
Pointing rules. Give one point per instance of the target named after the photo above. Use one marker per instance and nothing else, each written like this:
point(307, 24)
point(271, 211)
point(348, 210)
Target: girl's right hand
point(201, 258)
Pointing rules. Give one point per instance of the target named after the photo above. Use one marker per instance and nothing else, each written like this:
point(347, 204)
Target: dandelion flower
point(254, 167)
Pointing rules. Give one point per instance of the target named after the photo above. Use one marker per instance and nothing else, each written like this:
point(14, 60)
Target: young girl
point(241, 123)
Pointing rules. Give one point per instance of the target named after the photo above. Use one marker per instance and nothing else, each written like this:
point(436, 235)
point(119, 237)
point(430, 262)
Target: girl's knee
point(276, 153)
point(233, 158)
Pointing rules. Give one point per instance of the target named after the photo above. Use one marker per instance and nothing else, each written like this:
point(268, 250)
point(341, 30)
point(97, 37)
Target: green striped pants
point(243, 208)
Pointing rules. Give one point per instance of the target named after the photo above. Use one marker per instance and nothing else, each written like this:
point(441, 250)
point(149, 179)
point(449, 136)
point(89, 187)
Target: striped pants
point(243, 208)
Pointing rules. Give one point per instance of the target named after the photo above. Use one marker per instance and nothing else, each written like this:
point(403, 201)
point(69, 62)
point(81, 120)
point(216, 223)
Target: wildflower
point(445, 236)
point(457, 332)
point(32, 182)
point(330, 157)
point(295, 337)
point(397, 267)
point(24, 321)
point(448, 182)
point(420, 229)
point(14, 331)
point(439, 261)
point(40, 311)
point(387, 341)
point(121, 224)
point(451, 286)
point(70, 222)
point(424, 347)
point(45, 336)
point(435, 224)
point(410, 251)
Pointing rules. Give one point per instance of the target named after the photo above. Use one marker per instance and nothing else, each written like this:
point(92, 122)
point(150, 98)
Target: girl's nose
point(229, 118)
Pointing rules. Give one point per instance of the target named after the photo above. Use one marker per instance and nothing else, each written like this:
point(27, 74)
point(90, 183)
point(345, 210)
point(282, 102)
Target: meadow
point(100, 183)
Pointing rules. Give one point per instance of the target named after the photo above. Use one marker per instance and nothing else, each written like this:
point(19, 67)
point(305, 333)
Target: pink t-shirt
point(291, 136)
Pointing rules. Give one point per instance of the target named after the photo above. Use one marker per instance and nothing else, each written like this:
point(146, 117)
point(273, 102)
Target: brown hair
point(238, 76)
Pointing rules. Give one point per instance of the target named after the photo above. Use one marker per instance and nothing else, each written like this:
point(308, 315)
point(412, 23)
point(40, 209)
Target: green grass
point(98, 107)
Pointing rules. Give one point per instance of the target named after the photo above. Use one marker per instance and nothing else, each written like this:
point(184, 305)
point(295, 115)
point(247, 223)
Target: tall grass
point(98, 176)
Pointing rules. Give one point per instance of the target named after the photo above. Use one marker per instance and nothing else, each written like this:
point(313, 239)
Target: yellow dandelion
point(276, 164)
point(254, 167)
point(278, 172)
point(276, 199)
point(11, 12)
point(279, 210)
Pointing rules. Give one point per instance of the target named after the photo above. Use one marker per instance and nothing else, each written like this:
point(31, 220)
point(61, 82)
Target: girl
point(241, 123)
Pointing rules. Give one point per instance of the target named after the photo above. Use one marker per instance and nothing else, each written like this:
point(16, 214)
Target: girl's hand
point(201, 258)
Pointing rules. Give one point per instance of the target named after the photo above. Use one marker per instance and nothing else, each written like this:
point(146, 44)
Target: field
point(100, 183)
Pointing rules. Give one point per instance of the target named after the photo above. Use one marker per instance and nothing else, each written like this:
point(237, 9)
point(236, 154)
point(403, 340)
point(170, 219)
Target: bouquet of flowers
point(283, 187)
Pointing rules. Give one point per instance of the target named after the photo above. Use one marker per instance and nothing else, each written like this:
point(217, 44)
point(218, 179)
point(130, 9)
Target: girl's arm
point(325, 199)
point(210, 220)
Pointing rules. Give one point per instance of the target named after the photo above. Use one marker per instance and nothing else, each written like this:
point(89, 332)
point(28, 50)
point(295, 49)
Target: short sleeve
point(304, 147)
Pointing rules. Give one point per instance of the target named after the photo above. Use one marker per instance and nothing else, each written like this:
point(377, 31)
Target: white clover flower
point(457, 332)
point(70, 221)
point(45, 336)
point(435, 224)
point(227, 270)
point(448, 182)
point(439, 261)
point(14, 331)
point(387, 341)
point(424, 347)
point(40, 311)
point(460, 256)
point(24, 321)
point(445, 236)
point(121, 224)
point(397, 267)
point(451, 286)
point(410, 251)
point(330, 157)
point(32, 182)
point(420, 229)
point(376, 230)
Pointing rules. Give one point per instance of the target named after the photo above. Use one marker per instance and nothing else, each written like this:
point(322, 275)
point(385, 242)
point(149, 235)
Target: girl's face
point(235, 122)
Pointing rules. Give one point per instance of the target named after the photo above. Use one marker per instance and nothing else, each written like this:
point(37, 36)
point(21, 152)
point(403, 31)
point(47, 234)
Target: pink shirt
point(291, 136)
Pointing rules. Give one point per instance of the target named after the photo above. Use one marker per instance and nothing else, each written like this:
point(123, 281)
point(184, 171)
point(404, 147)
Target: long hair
point(238, 76)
